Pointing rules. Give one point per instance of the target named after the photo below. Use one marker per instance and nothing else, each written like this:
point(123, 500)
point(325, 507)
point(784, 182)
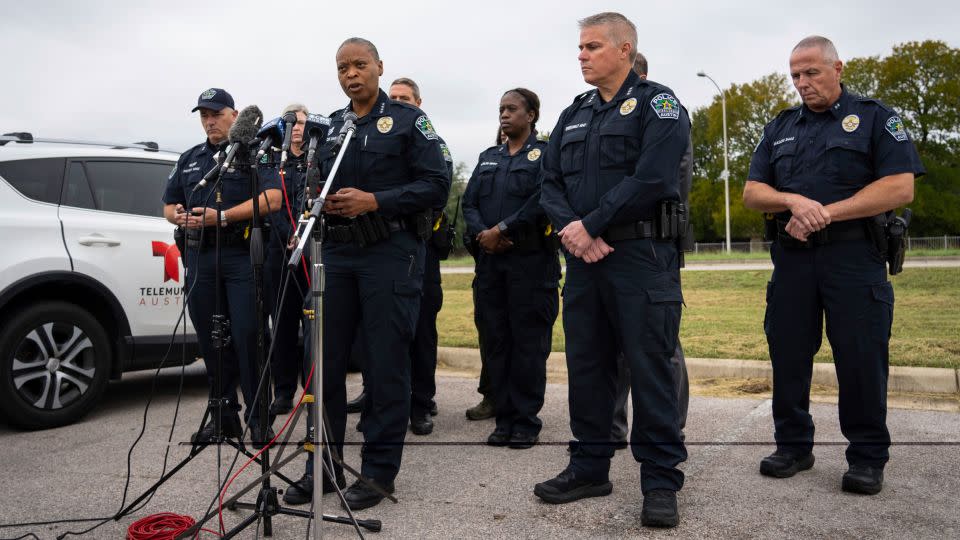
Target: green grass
point(737, 256)
point(724, 311)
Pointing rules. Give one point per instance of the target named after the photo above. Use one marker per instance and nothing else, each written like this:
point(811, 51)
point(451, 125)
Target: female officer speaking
point(518, 270)
point(375, 222)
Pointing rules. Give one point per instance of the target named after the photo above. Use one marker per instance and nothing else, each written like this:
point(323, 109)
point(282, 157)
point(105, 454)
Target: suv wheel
point(54, 364)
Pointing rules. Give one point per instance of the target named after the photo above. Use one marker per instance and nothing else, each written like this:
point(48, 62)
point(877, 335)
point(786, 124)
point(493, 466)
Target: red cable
point(164, 526)
point(268, 445)
point(283, 184)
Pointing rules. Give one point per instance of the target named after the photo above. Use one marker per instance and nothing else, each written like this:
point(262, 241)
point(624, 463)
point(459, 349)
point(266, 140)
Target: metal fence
point(929, 242)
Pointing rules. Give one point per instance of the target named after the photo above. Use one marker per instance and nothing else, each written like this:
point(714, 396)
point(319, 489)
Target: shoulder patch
point(425, 127)
point(173, 172)
point(895, 128)
point(666, 106)
point(446, 153)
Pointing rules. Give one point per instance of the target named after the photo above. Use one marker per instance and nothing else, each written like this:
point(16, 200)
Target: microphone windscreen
point(248, 123)
point(349, 116)
point(272, 126)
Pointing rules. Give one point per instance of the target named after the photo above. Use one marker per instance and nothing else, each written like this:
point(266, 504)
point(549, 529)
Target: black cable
point(150, 397)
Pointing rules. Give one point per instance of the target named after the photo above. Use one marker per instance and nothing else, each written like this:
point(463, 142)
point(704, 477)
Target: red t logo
point(171, 256)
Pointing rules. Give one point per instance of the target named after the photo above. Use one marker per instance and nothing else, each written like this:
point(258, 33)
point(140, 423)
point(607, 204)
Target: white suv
point(90, 281)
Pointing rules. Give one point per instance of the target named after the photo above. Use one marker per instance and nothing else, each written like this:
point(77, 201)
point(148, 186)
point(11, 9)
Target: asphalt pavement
point(453, 486)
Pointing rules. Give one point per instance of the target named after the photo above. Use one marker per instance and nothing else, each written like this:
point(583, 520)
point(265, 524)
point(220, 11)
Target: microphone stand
point(220, 338)
point(267, 504)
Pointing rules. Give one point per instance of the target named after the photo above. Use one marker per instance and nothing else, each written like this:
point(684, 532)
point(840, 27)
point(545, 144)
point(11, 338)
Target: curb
point(902, 378)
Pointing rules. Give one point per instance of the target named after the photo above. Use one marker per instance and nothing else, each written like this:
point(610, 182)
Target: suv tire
point(55, 362)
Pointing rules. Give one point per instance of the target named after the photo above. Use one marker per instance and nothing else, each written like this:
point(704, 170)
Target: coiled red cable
point(164, 526)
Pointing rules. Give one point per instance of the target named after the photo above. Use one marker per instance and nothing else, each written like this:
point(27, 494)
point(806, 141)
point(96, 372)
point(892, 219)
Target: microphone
point(315, 129)
point(348, 126)
point(268, 133)
point(289, 120)
point(242, 132)
point(216, 167)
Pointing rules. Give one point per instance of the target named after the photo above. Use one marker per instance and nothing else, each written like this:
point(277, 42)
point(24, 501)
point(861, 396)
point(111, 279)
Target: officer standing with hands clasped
point(375, 222)
point(677, 361)
point(610, 184)
point(828, 173)
point(517, 269)
point(217, 115)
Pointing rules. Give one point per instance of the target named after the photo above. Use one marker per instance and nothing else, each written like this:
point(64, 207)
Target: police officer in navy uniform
point(517, 270)
point(423, 350)
point(392, 176)
point(678, 361)
point(196, 212)
point(287, 311)
point(825, 170)
point(611, 186)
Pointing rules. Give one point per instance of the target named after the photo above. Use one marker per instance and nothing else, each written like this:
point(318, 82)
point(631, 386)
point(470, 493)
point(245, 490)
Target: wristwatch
point(502, 227)
point(223, 218)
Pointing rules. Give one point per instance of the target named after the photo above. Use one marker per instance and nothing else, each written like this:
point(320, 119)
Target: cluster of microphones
point(249, 132)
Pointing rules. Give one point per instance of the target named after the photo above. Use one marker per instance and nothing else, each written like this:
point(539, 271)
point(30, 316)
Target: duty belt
point(230, 236)
point(629, 231)
point(835, 232)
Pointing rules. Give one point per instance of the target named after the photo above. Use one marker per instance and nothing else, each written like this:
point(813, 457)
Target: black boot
point(569, 486)
point(659, 509)
point(229, 425)
point(359, 495)
point(863, 479)
point(782, 464)
point(356, 405)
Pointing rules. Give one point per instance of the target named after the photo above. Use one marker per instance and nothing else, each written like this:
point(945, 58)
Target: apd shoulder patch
point(895, 127)
point(666, 106)
point(446, 153)
point(425, 126)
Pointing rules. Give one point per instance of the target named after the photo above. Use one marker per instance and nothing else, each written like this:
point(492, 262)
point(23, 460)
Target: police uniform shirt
point(611, 163)
point(831, 155)
point(394, 154)
point(194, 164)
point(505, 188)
point(292, 182)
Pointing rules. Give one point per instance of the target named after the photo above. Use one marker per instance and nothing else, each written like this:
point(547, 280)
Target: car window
point(129, 187)
point(37, 179)
point(76, 189)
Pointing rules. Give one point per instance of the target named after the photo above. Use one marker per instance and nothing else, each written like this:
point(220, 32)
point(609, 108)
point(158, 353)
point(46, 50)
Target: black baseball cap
point(214, 99)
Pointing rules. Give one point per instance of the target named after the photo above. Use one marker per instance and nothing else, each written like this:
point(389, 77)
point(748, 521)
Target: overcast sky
point(130, 71)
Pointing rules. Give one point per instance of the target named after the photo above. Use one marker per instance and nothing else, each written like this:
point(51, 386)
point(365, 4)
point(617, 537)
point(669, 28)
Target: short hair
point(825, 45)
point(620, 29)
point(533, 103)
point(408, 82)
point(640, 64)
point(360, 41)
point(295, 108)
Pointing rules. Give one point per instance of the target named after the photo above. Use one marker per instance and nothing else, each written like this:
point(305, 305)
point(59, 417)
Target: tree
point(750, 107)
point(918, 80)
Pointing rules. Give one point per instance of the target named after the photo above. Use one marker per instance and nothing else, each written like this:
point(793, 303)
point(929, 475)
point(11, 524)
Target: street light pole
point(726, 169)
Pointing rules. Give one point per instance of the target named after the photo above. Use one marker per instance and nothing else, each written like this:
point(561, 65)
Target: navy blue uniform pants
point(628, 302)
point(377, 288)
point(847, 283)
point(516, 305)
point(423, 350)
point(679, 363)
point(237, 300)
point(287, 315)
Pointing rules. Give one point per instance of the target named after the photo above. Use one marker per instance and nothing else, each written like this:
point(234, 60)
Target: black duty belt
point(230, 236)
point(629, 231)
point(843, 231)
